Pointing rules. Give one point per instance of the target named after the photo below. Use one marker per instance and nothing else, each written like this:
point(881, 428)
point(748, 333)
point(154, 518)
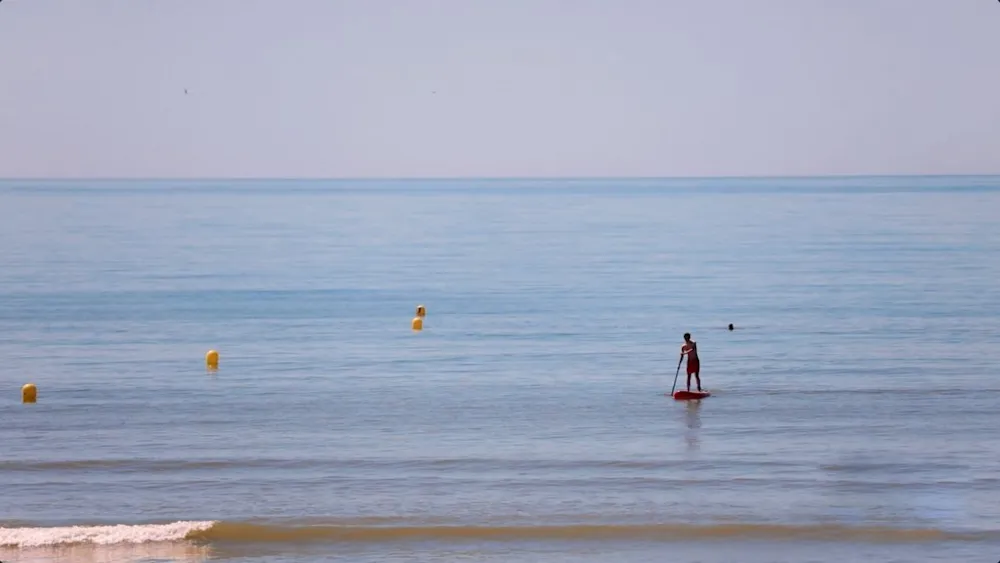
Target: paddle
point(679, 360)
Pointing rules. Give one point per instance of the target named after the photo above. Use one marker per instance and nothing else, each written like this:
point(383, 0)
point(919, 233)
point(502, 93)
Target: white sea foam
point(99, 535)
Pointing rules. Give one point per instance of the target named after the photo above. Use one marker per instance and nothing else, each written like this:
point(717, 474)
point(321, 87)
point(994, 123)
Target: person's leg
point(693, 368)
point(698, 379)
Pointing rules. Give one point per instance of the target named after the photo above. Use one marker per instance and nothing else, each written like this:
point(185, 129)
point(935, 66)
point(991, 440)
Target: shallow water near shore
point(852, 416)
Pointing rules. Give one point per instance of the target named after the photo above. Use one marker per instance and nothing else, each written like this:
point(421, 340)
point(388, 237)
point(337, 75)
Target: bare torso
point(691, 349)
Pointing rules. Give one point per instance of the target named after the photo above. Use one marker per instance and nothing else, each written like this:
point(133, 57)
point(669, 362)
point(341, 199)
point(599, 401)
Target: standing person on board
point(690, 348)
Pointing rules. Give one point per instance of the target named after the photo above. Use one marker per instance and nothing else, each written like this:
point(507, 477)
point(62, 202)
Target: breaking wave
point(100, 535)
point(244, 532)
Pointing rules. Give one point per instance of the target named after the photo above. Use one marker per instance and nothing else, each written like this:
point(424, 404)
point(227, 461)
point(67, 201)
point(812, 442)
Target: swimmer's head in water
point(730, 326)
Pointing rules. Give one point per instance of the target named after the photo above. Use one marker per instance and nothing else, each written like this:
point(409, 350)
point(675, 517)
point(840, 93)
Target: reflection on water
point(692, 419)
point(180, 552)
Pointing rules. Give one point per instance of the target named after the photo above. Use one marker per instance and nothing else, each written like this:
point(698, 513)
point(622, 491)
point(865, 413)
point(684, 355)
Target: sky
point(497, 88)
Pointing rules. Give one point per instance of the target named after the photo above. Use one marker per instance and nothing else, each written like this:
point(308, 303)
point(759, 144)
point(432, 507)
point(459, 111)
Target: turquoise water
point(853, 415)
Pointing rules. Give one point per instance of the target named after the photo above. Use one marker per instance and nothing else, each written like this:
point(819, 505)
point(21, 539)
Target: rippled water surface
point(853, 414)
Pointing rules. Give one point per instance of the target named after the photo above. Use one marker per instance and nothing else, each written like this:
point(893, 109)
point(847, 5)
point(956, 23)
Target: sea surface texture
point(854, 416)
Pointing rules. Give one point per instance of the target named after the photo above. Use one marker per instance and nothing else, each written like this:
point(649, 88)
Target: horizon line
point(488, 178)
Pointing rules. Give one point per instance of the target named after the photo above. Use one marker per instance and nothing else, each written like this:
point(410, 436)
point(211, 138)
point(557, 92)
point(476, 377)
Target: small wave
point(100, 535)
point(146, 466)
point(139, 465)
point(244, 533)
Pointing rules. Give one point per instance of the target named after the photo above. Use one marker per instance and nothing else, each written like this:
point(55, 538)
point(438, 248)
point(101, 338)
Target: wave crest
point(245, 532)
point(99, 535)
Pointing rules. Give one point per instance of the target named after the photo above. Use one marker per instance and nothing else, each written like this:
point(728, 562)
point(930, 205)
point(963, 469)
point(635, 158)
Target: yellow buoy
point(421, 311)
point(212, 359)
point(417, 323)
point(29, 393)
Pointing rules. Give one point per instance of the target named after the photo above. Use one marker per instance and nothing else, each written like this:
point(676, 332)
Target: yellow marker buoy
point(421, 311)
point(29, 393)
point(212, 359)
point(417, 323)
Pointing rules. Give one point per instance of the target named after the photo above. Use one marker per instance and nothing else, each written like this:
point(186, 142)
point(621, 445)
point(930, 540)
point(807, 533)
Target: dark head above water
point(730, 326)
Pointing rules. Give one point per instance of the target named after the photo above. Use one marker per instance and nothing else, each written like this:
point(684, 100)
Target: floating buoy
point(418, 322)
point(212, 359)
point(29, 393)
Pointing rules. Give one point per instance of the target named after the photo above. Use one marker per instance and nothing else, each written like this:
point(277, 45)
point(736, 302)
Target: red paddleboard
point(690, 395)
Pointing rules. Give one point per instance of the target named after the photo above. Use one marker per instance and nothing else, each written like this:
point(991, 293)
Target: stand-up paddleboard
point(691, 395)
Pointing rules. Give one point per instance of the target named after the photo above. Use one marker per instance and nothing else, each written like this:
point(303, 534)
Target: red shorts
point(694, 366)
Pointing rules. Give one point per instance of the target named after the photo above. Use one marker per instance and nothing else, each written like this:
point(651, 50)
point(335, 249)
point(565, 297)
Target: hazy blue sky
point(329, 88)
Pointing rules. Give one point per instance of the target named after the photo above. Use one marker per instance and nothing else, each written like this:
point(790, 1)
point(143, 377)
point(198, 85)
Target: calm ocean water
point(854, 413)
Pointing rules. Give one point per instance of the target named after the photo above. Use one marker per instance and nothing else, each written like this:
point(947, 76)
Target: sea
point(854, 412)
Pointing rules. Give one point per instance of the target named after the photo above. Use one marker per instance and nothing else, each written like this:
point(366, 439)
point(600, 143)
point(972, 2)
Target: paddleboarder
point(690, 349)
